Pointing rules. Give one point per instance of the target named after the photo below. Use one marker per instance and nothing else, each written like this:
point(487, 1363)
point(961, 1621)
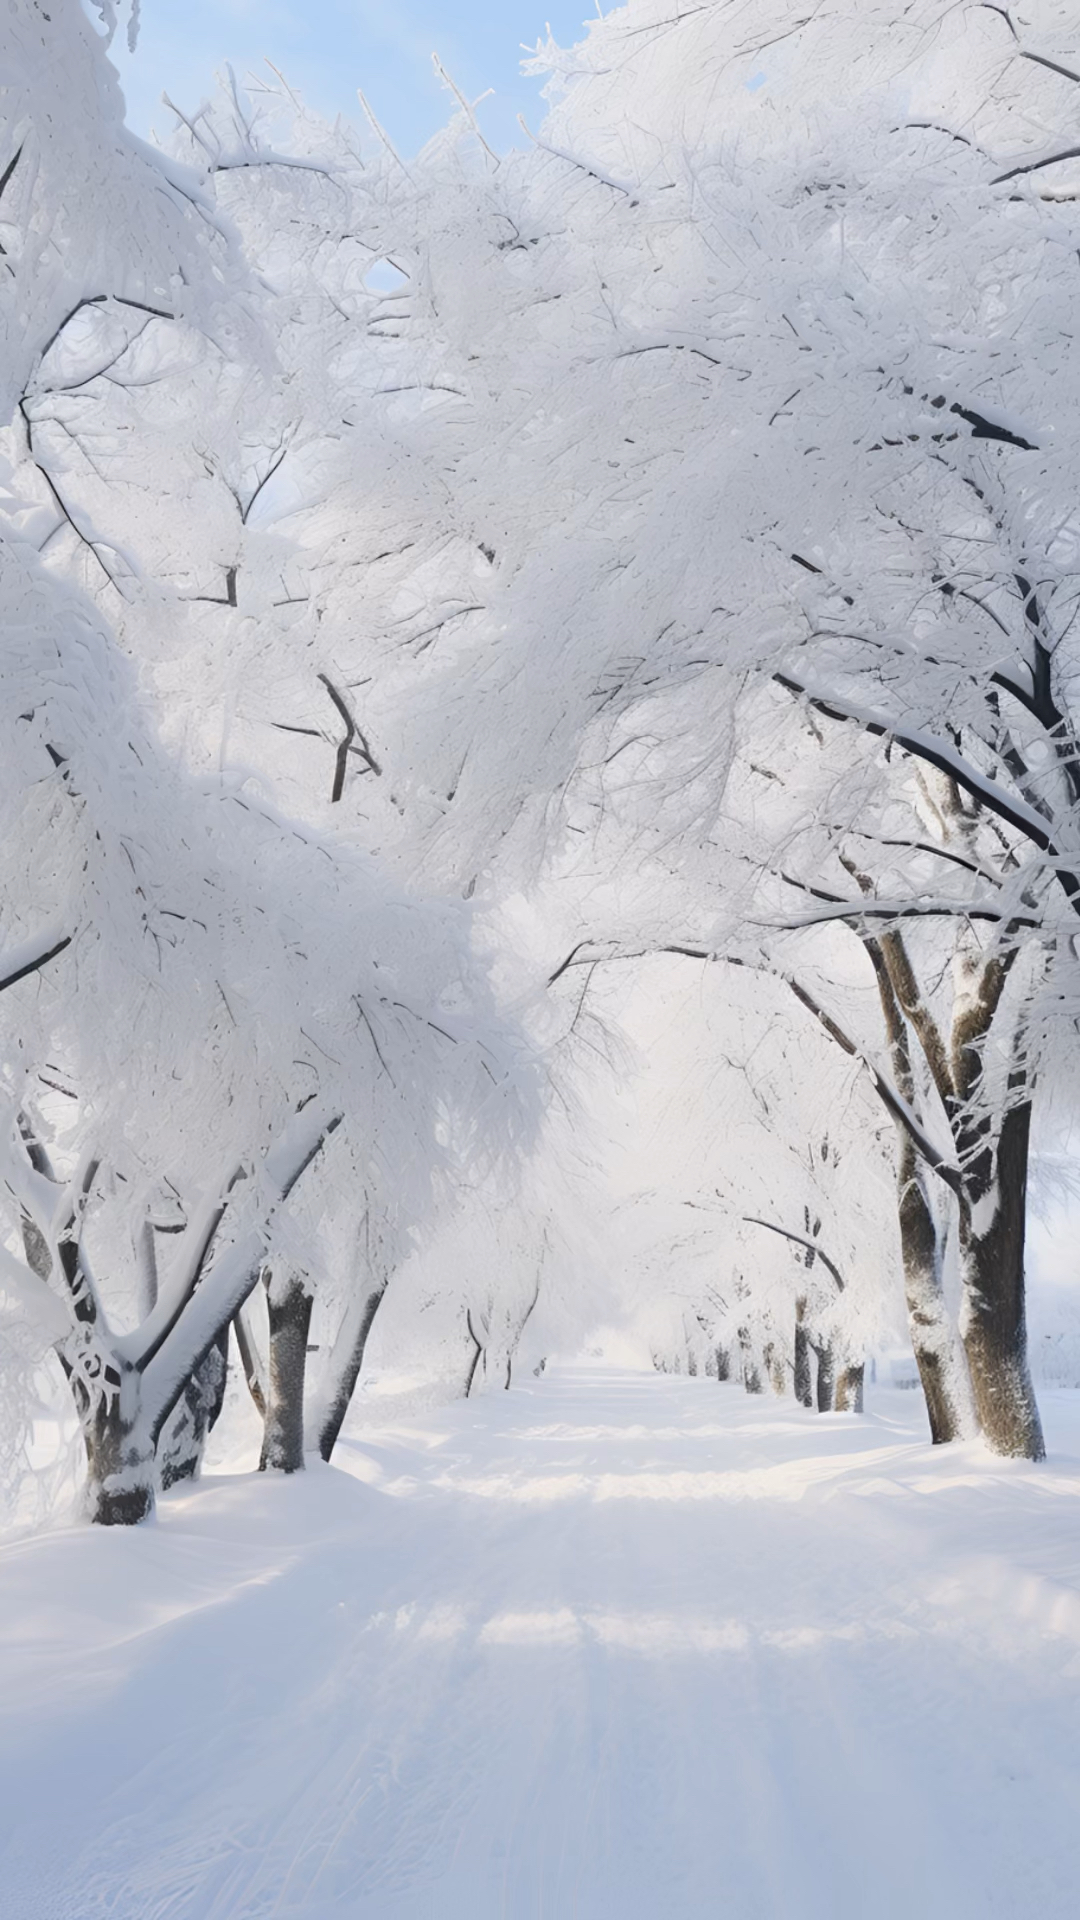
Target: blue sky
point(329, 48)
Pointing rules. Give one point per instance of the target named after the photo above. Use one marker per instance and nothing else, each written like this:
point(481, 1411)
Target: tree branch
point(227, 1283)
point(890, 1098)
point(1036, 166)
point(26, 959)
point(1015, 813)
point(801, 1241)
point(345, 747)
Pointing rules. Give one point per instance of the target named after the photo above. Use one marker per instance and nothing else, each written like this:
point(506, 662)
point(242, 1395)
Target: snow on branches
point(661, 539)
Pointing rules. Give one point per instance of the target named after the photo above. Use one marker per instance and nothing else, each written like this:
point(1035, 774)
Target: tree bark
point(289, 1305)
point(932, 1338)
point(928, 1321)
point(119, 1452)
point(182, 1444)
point(993, 1322)
point(804, 1386)
point(723, 1364)
point(826, 1376)
point(343, 1385)
point(250, 1359)
point(120, 1473)
point(993, 1155)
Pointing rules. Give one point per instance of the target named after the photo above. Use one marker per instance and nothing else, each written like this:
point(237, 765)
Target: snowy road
point(610, 1647)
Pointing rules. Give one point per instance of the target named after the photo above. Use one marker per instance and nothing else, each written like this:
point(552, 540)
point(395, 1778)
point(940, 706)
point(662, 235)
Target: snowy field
point(613, 1646)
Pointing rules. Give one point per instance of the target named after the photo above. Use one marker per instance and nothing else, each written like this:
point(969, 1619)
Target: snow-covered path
point(609, 1647)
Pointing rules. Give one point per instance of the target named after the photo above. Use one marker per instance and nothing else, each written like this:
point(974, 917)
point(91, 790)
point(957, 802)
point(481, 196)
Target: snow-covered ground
point(612, 1646)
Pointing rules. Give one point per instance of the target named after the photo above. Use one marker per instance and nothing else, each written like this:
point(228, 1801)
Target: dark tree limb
point(240, 1288)
point(267, 476)
point(346, 746)
point(801, 1241)
point(32, 966)
point(349, 1373)
point(1036, 166)
point(249, 1360)
point(475, 1338)
point(891, 1100)
point(228, 598)
point(948, 760)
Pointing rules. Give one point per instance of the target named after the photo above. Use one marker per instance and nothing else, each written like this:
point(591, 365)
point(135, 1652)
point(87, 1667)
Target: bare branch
point(948, 760)
point(345, 747)
point(801, 1241)
point(1052, 66)
point(888, 1095)
point(896, 1105)
point(10, 168)
point(594, 173)
point(854, 911)
point(228, 598)
point(18, 965)
point(268, 475)
point(1036, 166)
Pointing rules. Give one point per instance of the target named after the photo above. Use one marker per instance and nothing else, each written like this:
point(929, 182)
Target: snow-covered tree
point(198, 992)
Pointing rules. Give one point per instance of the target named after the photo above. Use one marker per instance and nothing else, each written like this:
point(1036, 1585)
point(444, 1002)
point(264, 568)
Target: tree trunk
point(723, 1364)
point(289, 1305)
point(826, 1377)
point(120, 1472)
point(804, 1386)
point(993, 1321)
point(250, 1357)
point(347, 1373)
point(940, 1365)
point(182, 1444)
point(119, 1452)
point(849, 1388)
point(751, 1373)
point(928, 1321)
point(774, 1367)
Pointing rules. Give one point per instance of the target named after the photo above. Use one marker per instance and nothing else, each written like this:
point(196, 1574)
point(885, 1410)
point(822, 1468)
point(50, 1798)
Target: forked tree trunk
point(126, 1405)
point(993, 1211)
point(120, 1466)
point(289, 1304)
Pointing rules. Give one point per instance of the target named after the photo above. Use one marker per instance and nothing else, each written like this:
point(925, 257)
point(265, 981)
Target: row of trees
point(236, 1048)
point(436, 591)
